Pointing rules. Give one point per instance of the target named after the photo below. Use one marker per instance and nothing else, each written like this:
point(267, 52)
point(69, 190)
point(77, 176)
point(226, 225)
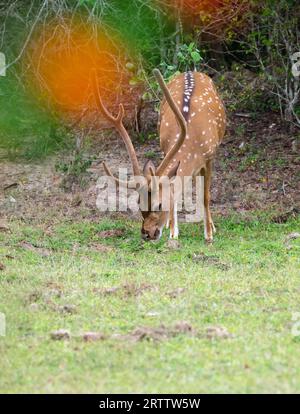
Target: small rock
point(152, 314)
point(60, 335)
point(12, 200)
point(34, 307)
point(93, 336)
point(293, 236)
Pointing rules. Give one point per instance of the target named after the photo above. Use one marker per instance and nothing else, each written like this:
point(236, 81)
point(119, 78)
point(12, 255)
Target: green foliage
point(76, 167)
point(150, 155)
point(27, 129)
point(188, 57)
point(141, 27)
point(272, 38)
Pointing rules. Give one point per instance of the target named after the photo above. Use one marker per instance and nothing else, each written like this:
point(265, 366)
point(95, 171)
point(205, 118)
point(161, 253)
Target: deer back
point(196, 96)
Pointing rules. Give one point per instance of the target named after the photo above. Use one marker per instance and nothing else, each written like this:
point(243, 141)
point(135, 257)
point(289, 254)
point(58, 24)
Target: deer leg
point(174, 232)
point(168, 221)
point(209, 227)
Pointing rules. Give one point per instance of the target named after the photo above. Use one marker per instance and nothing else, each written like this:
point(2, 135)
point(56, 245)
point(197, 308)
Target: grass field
point(205, 319)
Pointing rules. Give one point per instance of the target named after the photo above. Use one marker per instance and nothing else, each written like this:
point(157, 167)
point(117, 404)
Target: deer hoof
point(209, 240)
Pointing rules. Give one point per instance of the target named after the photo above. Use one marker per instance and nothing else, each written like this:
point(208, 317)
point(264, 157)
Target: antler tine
point(169, 156)
point(110, 174)
point(118, 124)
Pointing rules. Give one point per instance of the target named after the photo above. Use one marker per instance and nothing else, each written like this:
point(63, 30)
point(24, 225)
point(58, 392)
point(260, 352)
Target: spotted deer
point(189, 138)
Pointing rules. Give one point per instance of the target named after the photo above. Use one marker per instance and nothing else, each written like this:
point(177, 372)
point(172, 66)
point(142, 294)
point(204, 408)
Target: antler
point(170, 155)
point(118, 124)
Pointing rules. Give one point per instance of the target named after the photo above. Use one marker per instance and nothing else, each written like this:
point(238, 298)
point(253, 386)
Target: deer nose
point(148, 236)
point(145, 236)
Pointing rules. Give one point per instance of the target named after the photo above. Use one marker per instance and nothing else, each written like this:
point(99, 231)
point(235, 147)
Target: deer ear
point(173, 170)
point(149, 170)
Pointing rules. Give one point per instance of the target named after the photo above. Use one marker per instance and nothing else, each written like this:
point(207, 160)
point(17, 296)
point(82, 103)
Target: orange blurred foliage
point(63, 58)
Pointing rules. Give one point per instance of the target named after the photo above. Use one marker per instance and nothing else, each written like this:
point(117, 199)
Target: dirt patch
point(106, 234)
point(210, 260)
point(67, 309)
point(173, 244)
point(217, 332)
point(109, 291)
point(159, 333)
point(60, 335)
point(39, 250)
point(4, 227)
point(93, 336)
point(148, 333)
point(283, 218)
point(126, 290)
point(33, 297)
point(101, 248)
point(173, 294)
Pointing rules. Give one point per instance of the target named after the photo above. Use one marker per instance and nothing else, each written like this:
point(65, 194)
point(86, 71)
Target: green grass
point(248, 283)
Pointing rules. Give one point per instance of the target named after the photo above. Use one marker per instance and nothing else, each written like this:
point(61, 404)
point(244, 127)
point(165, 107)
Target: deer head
point(154, 217)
